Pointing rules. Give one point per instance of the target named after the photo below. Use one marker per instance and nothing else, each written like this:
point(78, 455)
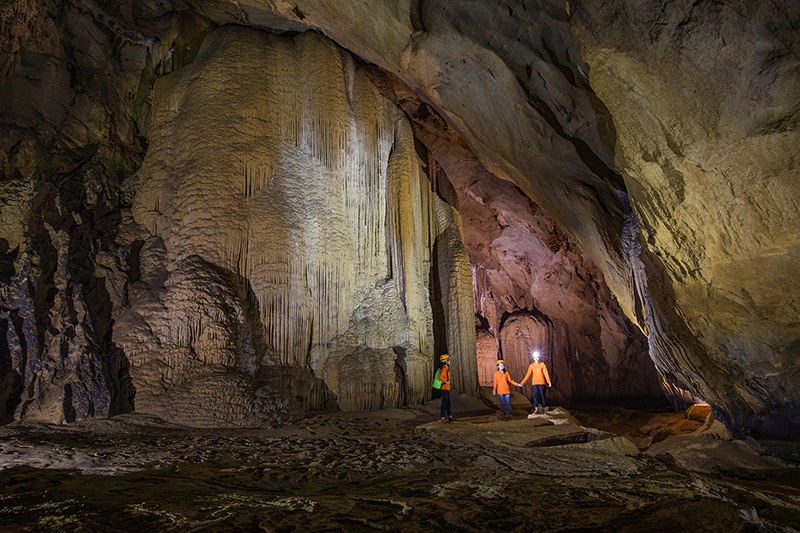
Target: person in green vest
point(444, 377)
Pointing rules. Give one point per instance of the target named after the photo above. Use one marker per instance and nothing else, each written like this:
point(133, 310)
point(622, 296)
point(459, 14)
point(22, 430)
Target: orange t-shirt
point(444, 376)
point(539, 373)
point(501, 381)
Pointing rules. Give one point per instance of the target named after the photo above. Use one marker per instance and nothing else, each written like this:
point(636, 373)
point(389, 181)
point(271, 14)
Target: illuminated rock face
point(680, 184)
point(679, 181)
point(296, 231)
point(534, 288)
point(705, 101)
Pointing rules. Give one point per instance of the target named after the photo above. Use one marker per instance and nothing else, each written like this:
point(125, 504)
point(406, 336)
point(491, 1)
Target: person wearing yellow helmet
point(444, 377)
point(501, 389)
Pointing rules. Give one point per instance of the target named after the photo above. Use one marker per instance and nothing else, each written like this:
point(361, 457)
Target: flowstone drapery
point(295, 225)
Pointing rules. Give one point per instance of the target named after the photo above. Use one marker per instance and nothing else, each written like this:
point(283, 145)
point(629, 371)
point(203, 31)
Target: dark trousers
point(538, 396)
point(446, 403)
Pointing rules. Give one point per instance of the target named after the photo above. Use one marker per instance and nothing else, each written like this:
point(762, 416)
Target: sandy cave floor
point(396, 470)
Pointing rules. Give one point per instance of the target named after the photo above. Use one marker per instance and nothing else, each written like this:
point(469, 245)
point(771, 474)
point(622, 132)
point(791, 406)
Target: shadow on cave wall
point(58, 359)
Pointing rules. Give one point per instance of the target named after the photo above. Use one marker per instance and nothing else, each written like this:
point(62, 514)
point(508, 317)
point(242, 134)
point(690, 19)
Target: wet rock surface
point(396, 469)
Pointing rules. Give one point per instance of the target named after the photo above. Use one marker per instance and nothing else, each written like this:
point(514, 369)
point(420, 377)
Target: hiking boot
point(444, 420)
point(536, 411)
point(451, 419)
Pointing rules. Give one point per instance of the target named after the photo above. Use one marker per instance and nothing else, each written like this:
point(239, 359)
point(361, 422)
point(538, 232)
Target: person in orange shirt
point(537, 371)
point(501, 381)
point(444, 377)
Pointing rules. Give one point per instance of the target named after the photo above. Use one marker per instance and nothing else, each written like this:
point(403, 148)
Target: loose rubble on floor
point(398, 469)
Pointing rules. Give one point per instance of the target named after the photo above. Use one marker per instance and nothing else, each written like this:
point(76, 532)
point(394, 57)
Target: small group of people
point(537, 371)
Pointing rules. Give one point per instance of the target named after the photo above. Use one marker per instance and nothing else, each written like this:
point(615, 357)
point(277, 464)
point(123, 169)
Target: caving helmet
point(444, 357)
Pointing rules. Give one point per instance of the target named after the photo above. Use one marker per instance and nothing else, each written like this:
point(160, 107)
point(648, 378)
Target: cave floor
point(395, 469)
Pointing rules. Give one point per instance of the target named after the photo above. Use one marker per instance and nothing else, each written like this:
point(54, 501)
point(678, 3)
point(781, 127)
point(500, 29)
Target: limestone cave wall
point(658, 137)
point(706, 100)
point(274, 251)
point(278, 162)
point(534, 288)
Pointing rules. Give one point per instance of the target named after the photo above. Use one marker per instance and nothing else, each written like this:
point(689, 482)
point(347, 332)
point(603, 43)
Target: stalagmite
point(298, 229)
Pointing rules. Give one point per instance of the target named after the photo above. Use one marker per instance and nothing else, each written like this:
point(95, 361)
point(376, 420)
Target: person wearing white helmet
point(537, 371)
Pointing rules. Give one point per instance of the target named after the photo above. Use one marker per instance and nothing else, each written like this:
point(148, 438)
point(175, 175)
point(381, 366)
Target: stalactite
point(314, 196)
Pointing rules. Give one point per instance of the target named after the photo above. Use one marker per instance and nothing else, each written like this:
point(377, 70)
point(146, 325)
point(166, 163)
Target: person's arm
point(511, 380)
point(547, 377)
point(530, 372)
point(494, 388)
point(444, 376)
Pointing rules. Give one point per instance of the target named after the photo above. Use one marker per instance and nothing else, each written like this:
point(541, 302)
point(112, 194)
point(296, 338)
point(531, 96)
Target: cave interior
point(237, 236)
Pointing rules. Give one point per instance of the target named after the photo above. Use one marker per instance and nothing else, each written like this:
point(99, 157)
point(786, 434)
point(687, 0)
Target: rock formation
point(534, 288)
point(659, 138)
point(704, 99)
point(282, 255)
point(288, 197)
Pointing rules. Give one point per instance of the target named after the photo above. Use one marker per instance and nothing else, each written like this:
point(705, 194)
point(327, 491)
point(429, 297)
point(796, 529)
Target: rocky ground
point(398, 469)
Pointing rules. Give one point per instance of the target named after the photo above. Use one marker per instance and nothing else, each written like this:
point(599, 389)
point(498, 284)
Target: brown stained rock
point(535, 289)
point(518, 401)
point(487, 356)
point(699, 412)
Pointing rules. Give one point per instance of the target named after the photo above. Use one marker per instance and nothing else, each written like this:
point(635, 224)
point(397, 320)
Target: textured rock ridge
point(706, 101)
point(296, 230)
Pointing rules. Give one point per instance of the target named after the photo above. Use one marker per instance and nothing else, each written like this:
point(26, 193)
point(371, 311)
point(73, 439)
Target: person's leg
point(507, 398)
point(449, 414)
point(536, 392)
point(542, 392)
point(445, 402)
point(502, 403)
